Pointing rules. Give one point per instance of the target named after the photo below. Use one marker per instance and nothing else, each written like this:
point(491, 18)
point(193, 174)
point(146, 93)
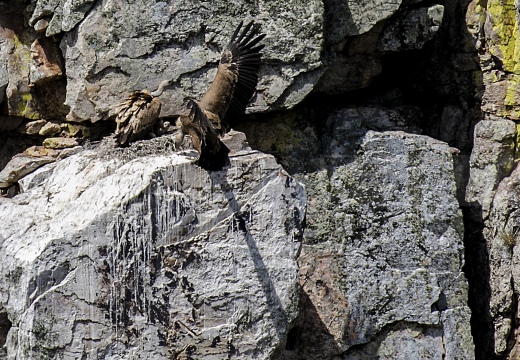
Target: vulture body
point(137, 115)
point(226, 99)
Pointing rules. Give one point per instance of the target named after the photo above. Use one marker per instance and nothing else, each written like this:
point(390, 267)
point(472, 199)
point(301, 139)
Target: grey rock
point(331, 143)
point(32, 127)
point(145, 42)
point(19, 166)
point(41, 25)
point(153, 257)
point(412, 29)
point(390, 216)
point(502, 234)
point(63, 14)
point(50, 129)
point(354, 17)
point(60, 143)
point(492, 159)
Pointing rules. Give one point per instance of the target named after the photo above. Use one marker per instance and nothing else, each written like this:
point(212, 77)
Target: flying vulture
point(137, 115)
point(225, 100)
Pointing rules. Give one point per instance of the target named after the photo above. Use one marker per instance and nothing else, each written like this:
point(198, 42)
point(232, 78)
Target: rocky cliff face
point(388, 230)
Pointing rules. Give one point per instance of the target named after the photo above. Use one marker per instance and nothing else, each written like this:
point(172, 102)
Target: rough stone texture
point(23, 164)
point(4, 75)
point(392, 217)
point(46, 65)
point(492, 159)
point(381, 271)
point(144, 42)
point(412, 29)
point(50, 129)
point(59, 142)
point(63, 15)
point(354, 69)
point(355, 17)
point(153, 257)
point(32, 127)
point(502, 233)
point(494, 26)
point(330, 141)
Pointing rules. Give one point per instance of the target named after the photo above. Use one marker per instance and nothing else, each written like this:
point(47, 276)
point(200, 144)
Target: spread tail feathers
point(214, 161)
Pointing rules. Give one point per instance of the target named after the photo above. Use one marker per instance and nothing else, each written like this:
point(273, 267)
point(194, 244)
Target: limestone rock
point(384, 254)
point(502, 234)
point(153, 257)
point(59, 142)
point(23, 164)
point(331, 143)
point(4, 75)
point(19, 98)
point(46, 64)
point(494, 26)
point(63, 14)
point(32, 127)
point(354, 17)
point(145, 42)
point(50, 128)
point(412, 29)
point(492, 159)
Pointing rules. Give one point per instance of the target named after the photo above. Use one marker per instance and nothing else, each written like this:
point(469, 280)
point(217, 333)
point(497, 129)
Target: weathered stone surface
point(21, 165)
point(63, 14)
point(153, 257)
point(354, 17)
point(492, 159)
point(50, 128)
point(4, 75)
point(502, 233)
point(412, 29)
point(32, 127)
point(494, 26)
point(304, 145)
point(390, 222)
point(17, 90)
point(384, 254)
point(46, 64)
point(145, 42)
point(59, 142)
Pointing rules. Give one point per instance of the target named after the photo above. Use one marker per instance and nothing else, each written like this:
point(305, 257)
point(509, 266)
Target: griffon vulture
point(137, 115)
point(225, 100)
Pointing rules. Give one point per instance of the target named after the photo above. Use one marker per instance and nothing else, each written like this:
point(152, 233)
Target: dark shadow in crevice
point(5, 326)
point(309, 337)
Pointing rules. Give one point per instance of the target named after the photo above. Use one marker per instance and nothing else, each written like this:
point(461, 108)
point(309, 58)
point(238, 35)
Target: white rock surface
point(151, 257)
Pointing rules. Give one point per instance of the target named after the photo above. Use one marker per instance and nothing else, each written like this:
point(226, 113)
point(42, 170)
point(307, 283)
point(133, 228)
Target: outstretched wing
point(236, 78)
point(213, 152)
point(136, 116)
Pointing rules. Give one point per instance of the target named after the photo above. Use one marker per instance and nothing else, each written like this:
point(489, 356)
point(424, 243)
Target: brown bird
point(137, 115)
point(226, 99)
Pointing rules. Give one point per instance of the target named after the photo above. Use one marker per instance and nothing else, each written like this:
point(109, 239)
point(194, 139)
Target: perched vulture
point(225, 100)
point(137, 115)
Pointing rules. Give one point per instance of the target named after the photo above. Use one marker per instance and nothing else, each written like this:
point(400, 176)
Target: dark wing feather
point(237, 76)
point(136, 116)
point(213, 152)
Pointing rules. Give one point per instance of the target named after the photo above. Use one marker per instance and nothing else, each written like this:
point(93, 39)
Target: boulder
point(152, 256)
point(384, 254)
point(125, 46)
